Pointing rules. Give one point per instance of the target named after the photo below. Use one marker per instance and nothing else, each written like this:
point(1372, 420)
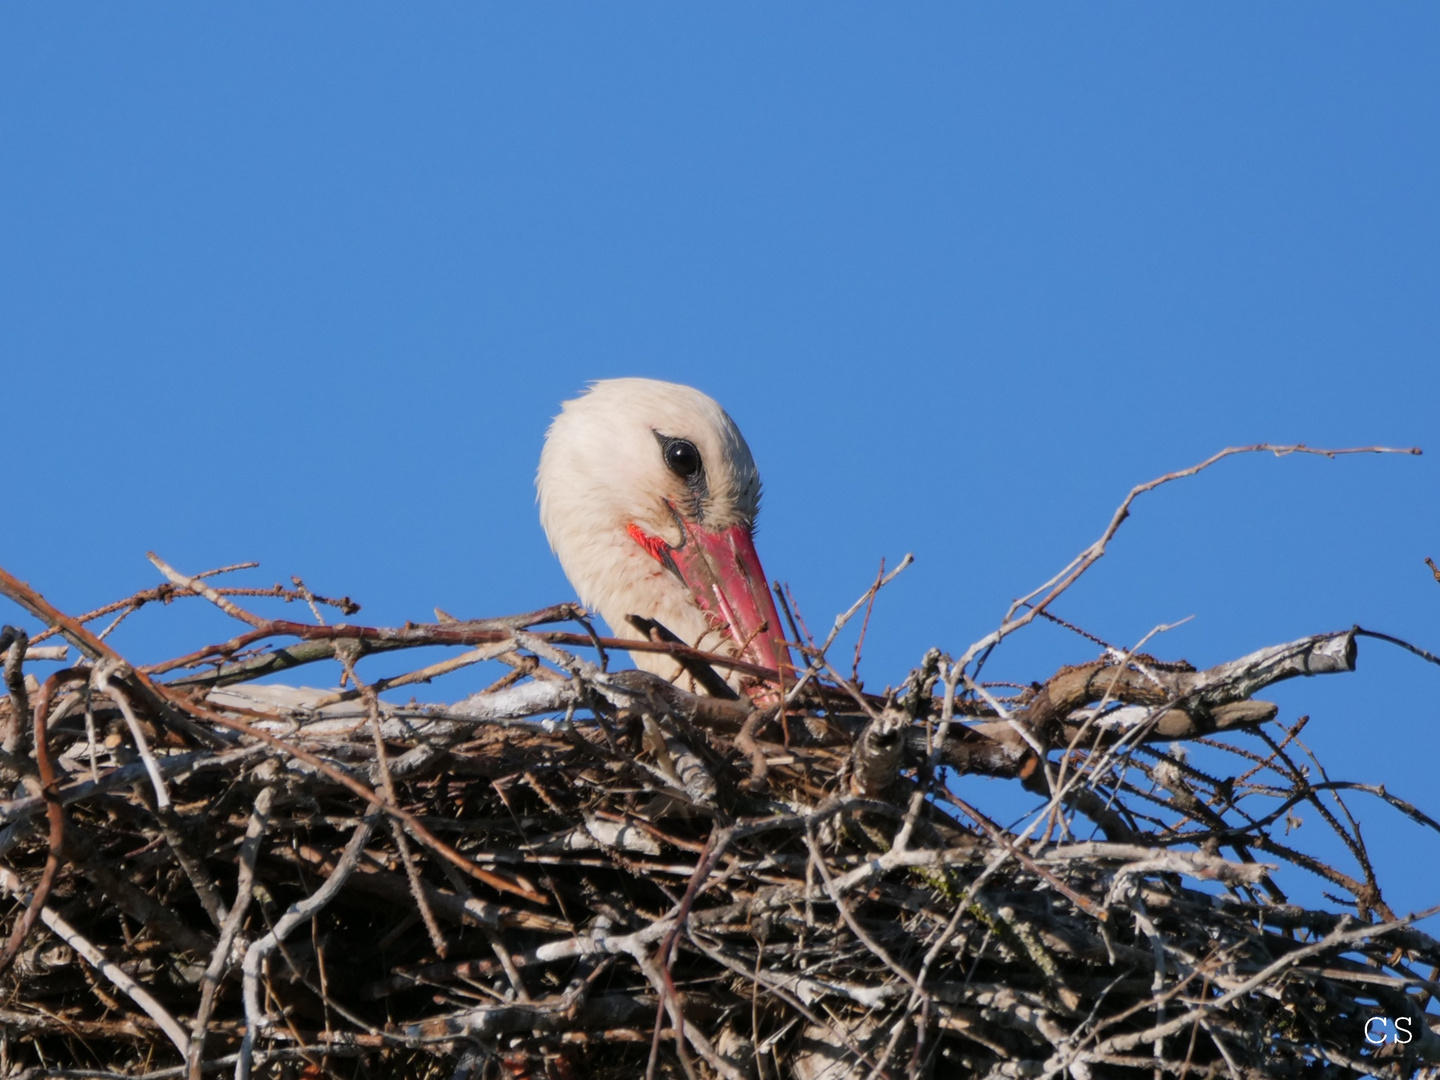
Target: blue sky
point(305, 283)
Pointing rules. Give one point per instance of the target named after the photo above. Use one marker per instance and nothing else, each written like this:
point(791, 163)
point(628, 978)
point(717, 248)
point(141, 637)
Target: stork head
point(648, 495)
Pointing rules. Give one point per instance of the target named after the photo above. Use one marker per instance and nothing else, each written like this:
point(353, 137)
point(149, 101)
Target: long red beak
point(723, 573)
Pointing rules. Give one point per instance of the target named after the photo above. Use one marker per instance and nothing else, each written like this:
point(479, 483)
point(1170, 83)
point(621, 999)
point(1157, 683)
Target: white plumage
point(648, 495)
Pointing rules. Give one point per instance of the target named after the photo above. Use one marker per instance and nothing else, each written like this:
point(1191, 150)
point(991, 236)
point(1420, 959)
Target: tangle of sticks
point(584, 872)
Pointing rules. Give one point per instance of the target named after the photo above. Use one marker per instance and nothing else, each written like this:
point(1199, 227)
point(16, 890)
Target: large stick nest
point(585, 873)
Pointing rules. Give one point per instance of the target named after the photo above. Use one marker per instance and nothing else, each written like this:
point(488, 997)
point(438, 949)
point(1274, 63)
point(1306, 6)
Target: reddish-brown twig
point(53, 812)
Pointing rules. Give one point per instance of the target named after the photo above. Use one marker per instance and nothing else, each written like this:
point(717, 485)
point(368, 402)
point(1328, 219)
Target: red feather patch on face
point(658, 549)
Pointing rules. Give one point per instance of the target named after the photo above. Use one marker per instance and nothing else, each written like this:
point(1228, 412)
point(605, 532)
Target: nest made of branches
point(579, 872)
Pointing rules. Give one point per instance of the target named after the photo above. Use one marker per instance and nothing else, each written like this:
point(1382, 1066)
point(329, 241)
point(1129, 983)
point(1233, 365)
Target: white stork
point(648, 495)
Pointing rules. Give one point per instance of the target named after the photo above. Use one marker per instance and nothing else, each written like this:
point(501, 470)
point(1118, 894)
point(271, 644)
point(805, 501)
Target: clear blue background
point(305, 283)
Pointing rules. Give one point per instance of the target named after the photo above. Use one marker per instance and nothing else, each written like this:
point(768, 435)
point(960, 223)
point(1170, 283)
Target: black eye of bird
point(681, 458)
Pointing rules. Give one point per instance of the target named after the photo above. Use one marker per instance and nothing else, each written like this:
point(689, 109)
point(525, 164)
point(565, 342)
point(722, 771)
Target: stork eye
point(681, 458)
